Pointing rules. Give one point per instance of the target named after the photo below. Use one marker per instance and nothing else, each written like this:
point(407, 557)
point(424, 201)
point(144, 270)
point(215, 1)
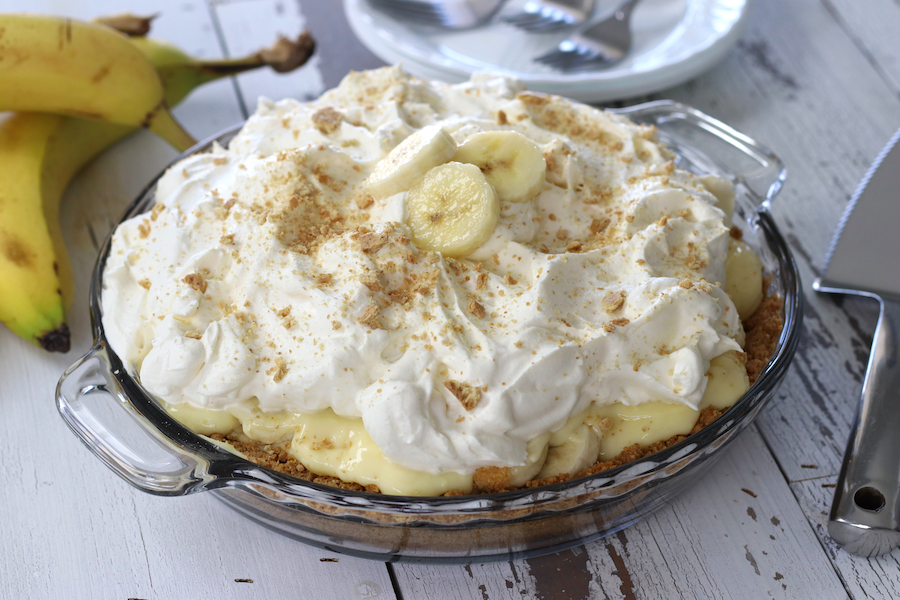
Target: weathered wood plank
point(248, 25)
point(337, 49)
point(877, 577)
point(817, 82)
point(787, 85)
point(738, 530)
point(79, 531)
point(870, 24)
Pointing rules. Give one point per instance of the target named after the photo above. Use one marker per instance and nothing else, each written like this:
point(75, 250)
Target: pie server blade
point(864, 259)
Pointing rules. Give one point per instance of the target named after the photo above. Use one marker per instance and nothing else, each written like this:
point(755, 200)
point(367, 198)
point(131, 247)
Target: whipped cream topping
point(268, 279)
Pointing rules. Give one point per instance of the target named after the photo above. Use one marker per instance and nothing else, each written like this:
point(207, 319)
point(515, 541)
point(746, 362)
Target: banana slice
point(723, 190)
point(726, 381)
point(743, 278)
point(409, 160)
point(452, 209)
point(512, 163)
point(577, 453)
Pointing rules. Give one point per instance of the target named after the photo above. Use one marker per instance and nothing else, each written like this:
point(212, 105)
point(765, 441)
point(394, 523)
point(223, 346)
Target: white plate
point(674, 40)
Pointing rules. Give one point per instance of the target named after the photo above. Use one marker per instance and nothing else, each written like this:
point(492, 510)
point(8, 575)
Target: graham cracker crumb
point(491, 479)
point(365, 201)
point(370, 280)
point(279, 370)
point(144, 283)
point(324, 278)
point(763, 330)
point(613, 301)
point(686, 284)
point(327, 120)
point(196, 281)
point(481, 282)
point(476, 309)
point(468, 395)
point(372, 242)
point(194, 335)
point(399, 296)
point(227, 240)
point(736, 232)
point(370, 317)
point(598, 225)
point(533, 98)
point(157, 209)
point(144, 229)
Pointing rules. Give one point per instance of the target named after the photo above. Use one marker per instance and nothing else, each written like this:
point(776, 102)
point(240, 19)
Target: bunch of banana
point(63, 66)
point(41, 152)
point(453, 207)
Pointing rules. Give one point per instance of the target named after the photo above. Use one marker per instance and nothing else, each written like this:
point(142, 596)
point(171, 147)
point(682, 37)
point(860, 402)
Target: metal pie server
point(864, 259)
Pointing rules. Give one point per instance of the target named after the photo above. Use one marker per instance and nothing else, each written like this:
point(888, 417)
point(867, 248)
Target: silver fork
point(446, 14)
point(600, 45)
point(549, 15)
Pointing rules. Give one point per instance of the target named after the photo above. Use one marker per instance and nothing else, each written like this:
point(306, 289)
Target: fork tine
point(550, 25)
point(599, 45)
point(579, 59)
point(521, 19)
point(532, 22)
point(556, 57)
point(555, 14)
point(594, 62)
point(415, 13)
point(406, 6)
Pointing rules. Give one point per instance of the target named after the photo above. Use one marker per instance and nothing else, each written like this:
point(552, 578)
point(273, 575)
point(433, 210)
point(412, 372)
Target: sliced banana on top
point(511, 162)
point(452, 209)
point(410, 160)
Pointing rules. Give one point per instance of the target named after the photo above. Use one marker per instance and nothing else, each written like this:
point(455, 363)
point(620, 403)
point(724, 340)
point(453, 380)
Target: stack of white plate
point(674, 40)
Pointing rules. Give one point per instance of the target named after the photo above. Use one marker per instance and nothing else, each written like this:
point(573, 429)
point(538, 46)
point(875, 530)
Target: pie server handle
point(865, 515)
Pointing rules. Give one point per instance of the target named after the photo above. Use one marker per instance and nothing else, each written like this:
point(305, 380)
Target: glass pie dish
point(130, 431)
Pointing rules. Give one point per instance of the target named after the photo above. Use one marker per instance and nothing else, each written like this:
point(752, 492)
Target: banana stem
point(286, 55)
point(163, 124)
point(127, 23)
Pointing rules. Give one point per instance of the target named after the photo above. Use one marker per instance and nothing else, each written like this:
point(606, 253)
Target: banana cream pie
point(419, 288)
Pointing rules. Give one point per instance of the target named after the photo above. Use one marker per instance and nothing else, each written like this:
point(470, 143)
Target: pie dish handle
point(96, 409)
point(706, 145)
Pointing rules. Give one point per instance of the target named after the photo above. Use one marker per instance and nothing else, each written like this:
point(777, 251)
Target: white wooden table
point(816, 80)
